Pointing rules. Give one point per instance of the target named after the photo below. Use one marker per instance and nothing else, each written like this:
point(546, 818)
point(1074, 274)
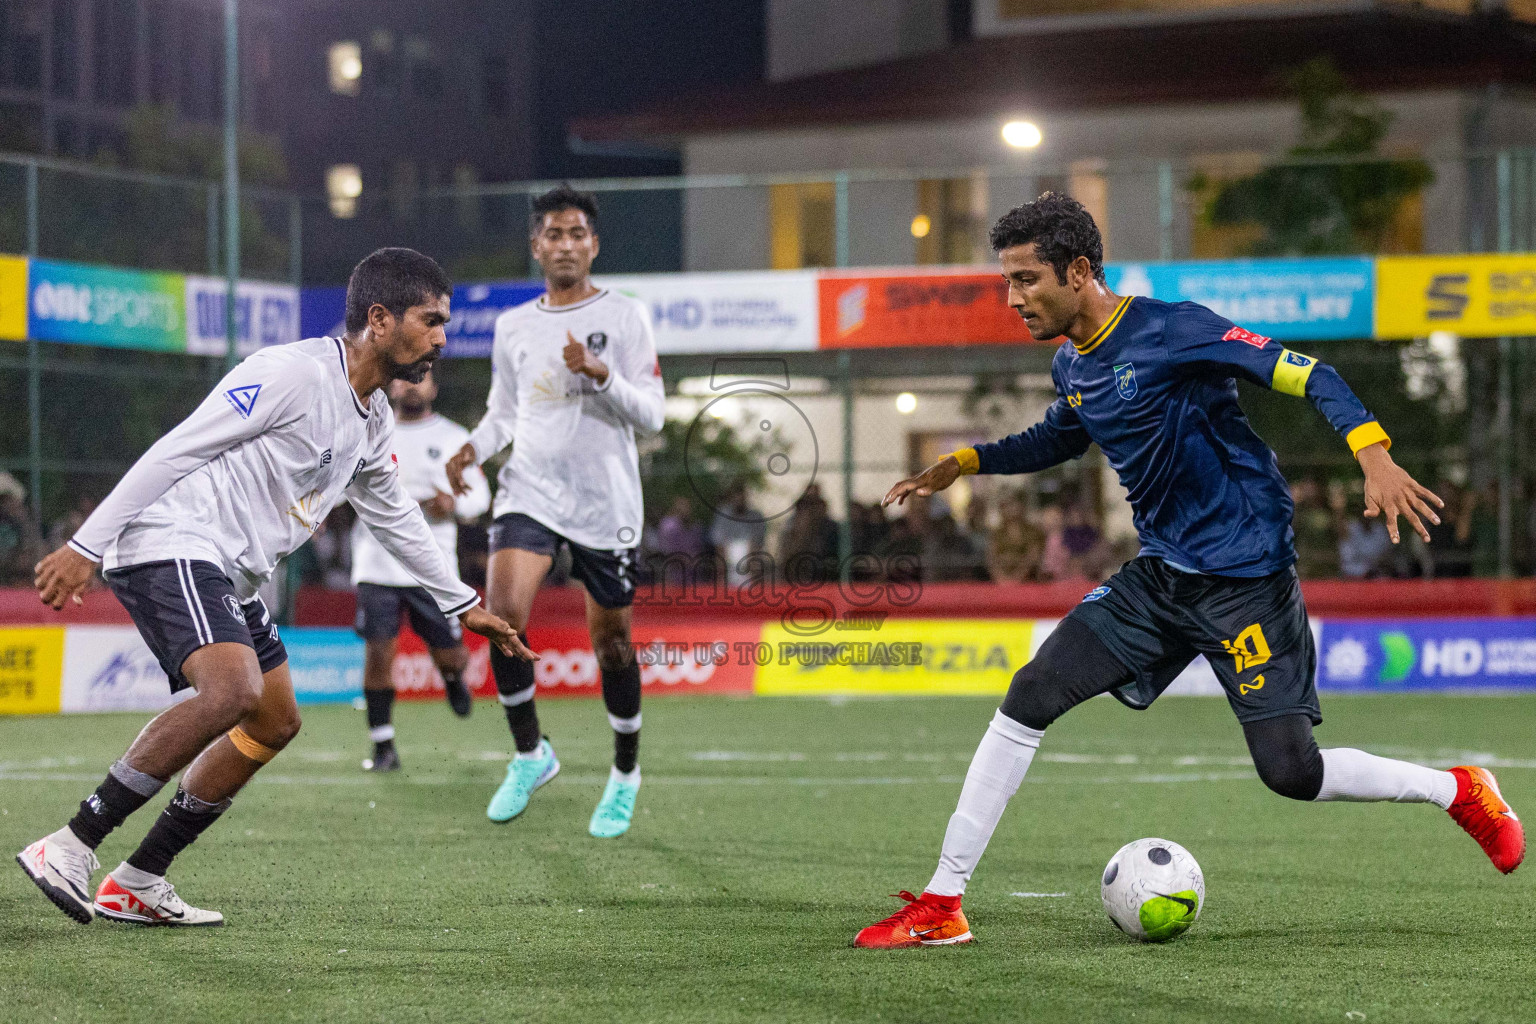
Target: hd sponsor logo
point(1429, 654)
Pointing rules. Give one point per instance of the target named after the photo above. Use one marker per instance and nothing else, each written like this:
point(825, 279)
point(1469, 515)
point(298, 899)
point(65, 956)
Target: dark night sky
point(610, 56)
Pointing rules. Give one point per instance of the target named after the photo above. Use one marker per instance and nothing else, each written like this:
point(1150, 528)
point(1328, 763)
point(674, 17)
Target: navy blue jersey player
point(1154, 385)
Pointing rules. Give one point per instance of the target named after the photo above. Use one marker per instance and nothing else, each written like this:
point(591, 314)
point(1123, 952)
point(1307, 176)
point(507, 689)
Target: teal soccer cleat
point(616, 808)
point(524, 775)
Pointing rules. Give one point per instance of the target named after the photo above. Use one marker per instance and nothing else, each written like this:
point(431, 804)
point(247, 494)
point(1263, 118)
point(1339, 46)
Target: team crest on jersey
point(243, 399)
point(1095, 593)
point(1125, 380)
point(233, 607)
point(596, 342)
point(434, 453)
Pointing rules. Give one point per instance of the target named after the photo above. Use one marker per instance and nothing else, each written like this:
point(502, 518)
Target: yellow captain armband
point(1365, 435)
point(970, 462)
point(1291, 373)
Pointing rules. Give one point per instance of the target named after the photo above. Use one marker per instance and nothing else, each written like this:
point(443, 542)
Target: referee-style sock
point(515, 689)
point(621, 696)
point(183, 820)
point(994, 776)
point(123, 791)
point(1350, 774)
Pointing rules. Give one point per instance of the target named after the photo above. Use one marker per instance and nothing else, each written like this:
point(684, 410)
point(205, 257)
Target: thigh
point(436, 630)
point(513, 578)
point(1071, 666)
point(180, 606)
point(609, 576)
point(1131, 614)
point(1256, 636)
point(378, 612)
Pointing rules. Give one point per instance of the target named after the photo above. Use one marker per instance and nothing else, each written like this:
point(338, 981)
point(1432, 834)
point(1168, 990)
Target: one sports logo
point(1125, 380)
point(1075, 399)
point(243, 399)
point(1250, 649)
point(1245, 688)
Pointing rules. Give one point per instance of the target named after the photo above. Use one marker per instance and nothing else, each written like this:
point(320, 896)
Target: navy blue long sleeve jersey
point(1155, 388)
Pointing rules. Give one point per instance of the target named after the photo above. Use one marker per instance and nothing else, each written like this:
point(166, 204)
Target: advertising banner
point(895, 309)
point(474, 309)
point(30, 659)
point(265, 314)
point(683, 658)
point(1383, 655)
point(912, 656)
point(1292, 300)
point(109, 307)
point(1474, 296)
point(109, 668)
point(13, 298)
point(326, 664)
point(767, 311)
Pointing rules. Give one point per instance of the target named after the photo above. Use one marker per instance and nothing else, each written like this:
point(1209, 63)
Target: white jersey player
point(386, 590)
point(574, 380)
point(191, 532)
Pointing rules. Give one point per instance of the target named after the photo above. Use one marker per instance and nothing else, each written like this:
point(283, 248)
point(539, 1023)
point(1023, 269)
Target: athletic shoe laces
point(76, 864)
point(906, 914)
point(1475, 816)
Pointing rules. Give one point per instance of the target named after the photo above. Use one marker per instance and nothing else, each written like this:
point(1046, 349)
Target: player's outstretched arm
point(478, 620)
point(930, 481)
point(61, 576)
point(1390, 491)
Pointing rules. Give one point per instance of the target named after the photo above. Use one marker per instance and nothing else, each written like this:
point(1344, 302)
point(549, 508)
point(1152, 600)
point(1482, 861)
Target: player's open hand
point(1391, 492)
point(478, 620)
point(461, 460)
point(62, 575)
point(579, 360)
point(930, 481)
point(439, 507)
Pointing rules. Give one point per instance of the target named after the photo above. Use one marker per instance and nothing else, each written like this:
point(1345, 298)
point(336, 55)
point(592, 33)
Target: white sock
point(632, 776)
point(536, 752)
point(1001, 760)
point(130, 877)
point(380, 733)
point(1350, 774)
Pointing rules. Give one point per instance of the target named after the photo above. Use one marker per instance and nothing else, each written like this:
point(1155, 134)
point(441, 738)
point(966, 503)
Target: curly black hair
point(562, 197)
point(1060, 228)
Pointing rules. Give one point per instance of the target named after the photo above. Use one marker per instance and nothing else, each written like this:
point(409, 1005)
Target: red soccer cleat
point(926, 920)
point(1479, 808)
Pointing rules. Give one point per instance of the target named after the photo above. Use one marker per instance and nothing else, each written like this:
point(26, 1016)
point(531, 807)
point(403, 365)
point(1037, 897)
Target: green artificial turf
point(768, 832)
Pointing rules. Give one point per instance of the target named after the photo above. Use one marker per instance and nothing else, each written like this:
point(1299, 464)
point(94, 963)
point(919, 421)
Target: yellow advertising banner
point(1473, 296)
point(13, 298)
point(31, 667)
point(917, 656)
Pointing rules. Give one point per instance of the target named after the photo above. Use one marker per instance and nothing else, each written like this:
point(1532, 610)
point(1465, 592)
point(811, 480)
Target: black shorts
point(378, 615)
point(1254, 632)
point(609, 576)
point(181, 605)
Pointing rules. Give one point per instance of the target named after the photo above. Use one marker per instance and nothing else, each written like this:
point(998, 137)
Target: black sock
point(183, 820)
point(381, 705)
point(451, 677)
point(515, 676)
point(110, 805)
point(621, 695)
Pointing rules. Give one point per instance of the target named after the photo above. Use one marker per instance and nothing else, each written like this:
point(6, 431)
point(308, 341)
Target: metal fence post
point(34, 370)
point(231, 179)
point(845, 528)
point(295, 241)
point(1504, 416)
point(1165, 211)
point(213, 230)
point(840, 217)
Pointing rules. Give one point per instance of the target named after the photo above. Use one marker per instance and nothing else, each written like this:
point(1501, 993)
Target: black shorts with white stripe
point(182, 604)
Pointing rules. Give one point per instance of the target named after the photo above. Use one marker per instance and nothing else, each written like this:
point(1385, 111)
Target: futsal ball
point(1153, 890)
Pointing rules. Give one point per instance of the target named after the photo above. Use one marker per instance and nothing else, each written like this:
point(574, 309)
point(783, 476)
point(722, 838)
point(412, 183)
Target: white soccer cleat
point(61, 865)
point(155, 904)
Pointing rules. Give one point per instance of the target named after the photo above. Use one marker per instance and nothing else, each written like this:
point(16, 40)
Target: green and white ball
point(1153, 890)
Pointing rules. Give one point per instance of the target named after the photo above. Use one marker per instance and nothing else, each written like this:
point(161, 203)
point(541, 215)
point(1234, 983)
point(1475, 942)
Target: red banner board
point(878, 311)
point(699, 657)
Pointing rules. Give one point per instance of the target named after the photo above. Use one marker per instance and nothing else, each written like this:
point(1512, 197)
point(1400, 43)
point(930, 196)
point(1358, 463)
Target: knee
point(509, 612)
point(1297, 775)
point(236, 701)
point(613, 651)
point(275, 728)
point(1029, 701)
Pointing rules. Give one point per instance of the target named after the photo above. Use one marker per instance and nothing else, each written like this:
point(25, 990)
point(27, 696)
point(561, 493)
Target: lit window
point(346, 63)
point(343, 184)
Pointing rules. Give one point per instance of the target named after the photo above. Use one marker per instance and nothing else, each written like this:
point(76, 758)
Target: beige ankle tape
point(250, 748)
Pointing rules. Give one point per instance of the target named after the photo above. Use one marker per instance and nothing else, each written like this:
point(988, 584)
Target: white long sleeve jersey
point(423, 448)
point(573, 467)
point(253, 472)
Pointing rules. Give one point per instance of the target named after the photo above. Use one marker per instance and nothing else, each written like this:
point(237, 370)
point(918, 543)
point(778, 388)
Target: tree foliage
point(1338, 205)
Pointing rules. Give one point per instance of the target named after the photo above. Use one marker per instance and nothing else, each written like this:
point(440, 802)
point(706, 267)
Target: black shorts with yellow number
point(1155, 619)
point(609, 576)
